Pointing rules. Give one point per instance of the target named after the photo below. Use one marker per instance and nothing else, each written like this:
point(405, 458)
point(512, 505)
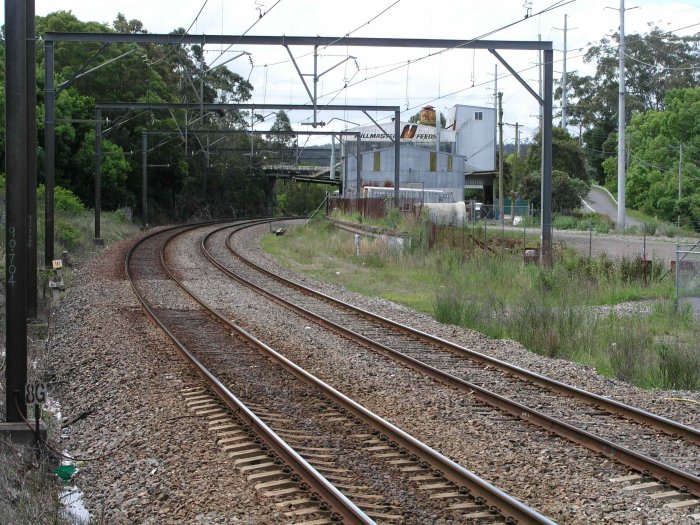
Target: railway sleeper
point(252, 460)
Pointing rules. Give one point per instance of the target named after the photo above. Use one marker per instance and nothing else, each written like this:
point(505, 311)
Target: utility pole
point(495, 106)
point(500, 159)
point(621, 126)
point(564, 82)
point(517, 164)
point(495, 127)
point(680, 181)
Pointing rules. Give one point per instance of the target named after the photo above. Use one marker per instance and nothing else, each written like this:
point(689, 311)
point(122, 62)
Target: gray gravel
point(148, 464)
point(107, 357)
point(567, 483)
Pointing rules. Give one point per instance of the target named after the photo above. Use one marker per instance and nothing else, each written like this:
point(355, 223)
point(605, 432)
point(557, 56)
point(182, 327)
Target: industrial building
point(440, 162)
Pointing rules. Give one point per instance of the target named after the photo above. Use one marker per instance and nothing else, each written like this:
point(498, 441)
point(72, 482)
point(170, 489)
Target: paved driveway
point(601, 201)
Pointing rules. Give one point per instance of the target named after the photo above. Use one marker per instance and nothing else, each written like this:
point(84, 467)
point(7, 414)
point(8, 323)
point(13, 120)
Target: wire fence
point(687, 266)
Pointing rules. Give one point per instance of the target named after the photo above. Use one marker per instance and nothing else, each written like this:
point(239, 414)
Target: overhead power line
point(262, 15)
point(183, 35)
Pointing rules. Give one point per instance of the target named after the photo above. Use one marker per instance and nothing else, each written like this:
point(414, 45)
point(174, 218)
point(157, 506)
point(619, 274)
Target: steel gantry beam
point(316, 41)
point(283, 40)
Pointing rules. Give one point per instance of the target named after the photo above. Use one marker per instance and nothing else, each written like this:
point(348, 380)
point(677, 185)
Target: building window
point(450, 164)
point(377, 161)
point(478, 115)
point(433, 161)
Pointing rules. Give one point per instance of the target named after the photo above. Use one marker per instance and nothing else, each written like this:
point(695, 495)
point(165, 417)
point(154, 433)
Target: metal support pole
point(546, 253)
point(315, 100)
point(344, 160)
point(16, 199)
point(98, 172)
point(358, 186)
point(397, 157)
point(49, 153)
point(31, 164)
point(621, 126)
point(564, 79)
point(495, 108)
point(331, 173)
point(144, 178)
point(501, 206)
point(680, 182)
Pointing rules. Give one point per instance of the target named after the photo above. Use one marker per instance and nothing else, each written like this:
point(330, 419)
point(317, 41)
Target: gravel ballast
point(151, 461)
point(160, 467)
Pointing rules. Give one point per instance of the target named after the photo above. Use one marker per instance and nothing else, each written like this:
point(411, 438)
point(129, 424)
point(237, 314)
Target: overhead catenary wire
point(262, 15)
point(182, 37)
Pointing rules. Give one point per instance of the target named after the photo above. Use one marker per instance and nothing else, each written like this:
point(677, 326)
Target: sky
point(382, 76)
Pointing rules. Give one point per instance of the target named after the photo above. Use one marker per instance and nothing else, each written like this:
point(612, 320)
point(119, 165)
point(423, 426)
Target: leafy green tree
point(567, 191)
point(655, 142)
point(657, 62)
point(298, 198)
point(283, 141)
point(567, 155)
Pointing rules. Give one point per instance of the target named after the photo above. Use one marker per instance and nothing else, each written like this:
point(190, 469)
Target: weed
point(551, 312)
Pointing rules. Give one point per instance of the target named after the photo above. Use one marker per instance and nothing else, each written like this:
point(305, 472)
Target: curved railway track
point(623, 433)
point(320, 455)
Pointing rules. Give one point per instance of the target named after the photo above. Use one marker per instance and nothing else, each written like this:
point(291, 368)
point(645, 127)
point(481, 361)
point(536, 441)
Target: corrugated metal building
point(420, 168)
point(462, 155)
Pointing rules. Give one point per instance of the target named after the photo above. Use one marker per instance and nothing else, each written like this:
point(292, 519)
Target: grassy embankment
point(548, 311)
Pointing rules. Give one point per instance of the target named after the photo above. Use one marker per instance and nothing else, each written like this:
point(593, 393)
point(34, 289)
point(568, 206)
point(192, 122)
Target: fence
point(687, 266)
point(375, 208)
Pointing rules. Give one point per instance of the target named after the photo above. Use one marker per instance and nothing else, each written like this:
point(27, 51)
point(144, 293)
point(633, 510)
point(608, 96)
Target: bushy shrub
point(67, 235)
point(123, 215)
point(64, 201)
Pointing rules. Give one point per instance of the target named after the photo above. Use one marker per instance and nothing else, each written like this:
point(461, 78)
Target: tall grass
point(553, 312)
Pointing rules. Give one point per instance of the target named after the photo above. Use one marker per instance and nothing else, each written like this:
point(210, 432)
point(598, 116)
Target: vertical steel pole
point(621, 177)
point(331, 173)
point(358, 186)
point(564, 79)
point(16, 202)
point(31, 164)
point(546, 254)
point(315, 100)
point(397, 157)
point(501, 203)
point(144, 178)
point(98, 171)
point(49, 153)
point(678, 269)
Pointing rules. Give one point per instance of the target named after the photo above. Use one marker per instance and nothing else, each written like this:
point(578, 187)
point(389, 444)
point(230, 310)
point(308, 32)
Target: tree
point(567, 191)
point(657, 62)
point(567, 155)
point(145, 73)
point(655, 142)
point(286, 137)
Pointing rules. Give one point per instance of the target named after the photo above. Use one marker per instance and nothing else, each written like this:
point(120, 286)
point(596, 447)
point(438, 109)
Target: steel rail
point(680, 479)
point(641, 416)
point(342, 507)
point(469, 483)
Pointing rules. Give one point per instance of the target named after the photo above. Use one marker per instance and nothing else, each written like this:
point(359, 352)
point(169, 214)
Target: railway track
point(322, 457)
point(626, 434)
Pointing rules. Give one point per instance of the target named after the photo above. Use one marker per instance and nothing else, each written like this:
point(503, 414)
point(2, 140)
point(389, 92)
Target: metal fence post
point(678, 269)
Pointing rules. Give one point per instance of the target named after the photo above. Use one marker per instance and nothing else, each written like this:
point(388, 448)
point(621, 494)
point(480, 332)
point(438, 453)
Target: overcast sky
point(442, 80)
